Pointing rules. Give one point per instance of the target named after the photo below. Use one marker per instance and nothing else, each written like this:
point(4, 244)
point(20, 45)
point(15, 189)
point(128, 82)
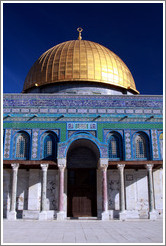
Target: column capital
point(149, 166)
point(15, 166)
point(44, 166)
point(103, 167)
point(120, 166)
point(61, 167)
point(103, 163)
point(61, 163)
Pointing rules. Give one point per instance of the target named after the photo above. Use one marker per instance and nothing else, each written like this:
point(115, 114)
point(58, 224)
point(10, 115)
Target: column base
point(43, 215)
point(11, 215)
point(153, 215)
point(61, 216)
point(105, 215)
point(122, 216)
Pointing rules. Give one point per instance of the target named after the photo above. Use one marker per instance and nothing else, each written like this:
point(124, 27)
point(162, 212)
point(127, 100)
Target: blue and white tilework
point(7, 143)
point(155, 144)
point(107, 133)
point(66, 101)
point(128, 144)
point(35, 134)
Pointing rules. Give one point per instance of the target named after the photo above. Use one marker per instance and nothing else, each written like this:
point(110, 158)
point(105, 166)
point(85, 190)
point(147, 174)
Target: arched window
point(161, 145)
point(114, 147)
point(140, 146)
point(49, 147)
point(22, 146)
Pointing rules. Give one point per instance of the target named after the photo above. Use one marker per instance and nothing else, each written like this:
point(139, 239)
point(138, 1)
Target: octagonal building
point(80, 141)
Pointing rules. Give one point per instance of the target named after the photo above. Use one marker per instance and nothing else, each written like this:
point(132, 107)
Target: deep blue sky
point(132, 30)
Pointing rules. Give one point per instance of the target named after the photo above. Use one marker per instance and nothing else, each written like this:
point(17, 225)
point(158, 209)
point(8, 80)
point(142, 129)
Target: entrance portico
point(82, 196)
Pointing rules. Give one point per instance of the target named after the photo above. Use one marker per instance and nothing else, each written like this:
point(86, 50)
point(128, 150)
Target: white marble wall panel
point(113, 189)
point(142, 204)
point(136, 192)
point(7, 189)
point(158, 190)
point(34, 192)
point(22, 189)
point(52, 189)
point(130, 184)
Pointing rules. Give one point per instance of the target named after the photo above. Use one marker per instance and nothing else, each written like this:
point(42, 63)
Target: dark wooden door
point(82, 201)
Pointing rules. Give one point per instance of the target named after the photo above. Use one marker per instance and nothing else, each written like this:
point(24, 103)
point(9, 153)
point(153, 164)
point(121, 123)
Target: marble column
point(12, 213)
point(61, 187)
point(62, 166)
point(152, 212)
point(122, 214)
point(43, 213)
point(103, 168)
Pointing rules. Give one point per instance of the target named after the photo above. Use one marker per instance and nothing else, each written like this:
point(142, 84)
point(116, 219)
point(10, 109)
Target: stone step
point(82, 218)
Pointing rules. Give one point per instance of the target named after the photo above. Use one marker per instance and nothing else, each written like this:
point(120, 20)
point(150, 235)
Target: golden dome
point(79, 60)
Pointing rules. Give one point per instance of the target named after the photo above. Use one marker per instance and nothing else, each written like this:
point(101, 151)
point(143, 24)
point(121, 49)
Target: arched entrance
point(82, 158)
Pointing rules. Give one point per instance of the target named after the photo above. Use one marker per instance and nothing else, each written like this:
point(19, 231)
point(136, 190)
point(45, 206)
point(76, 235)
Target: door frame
point(95, 187)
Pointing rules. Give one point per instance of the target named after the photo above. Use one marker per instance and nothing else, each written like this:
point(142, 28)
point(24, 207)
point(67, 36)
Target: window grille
point(22, 146)
point(140, 147)
point(114, 150)
point(49, 147)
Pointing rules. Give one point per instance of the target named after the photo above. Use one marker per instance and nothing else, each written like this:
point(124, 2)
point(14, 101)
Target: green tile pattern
point(127, 125)
point(45, 125)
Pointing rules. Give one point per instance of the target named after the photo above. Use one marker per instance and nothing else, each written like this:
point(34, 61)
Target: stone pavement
point(83, 231)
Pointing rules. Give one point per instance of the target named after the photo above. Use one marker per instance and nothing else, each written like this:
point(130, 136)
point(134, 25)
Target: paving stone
point(22, 231)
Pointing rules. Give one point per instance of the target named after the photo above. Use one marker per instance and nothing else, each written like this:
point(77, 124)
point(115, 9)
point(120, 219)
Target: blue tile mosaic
point(155, 144)
point(20, 100)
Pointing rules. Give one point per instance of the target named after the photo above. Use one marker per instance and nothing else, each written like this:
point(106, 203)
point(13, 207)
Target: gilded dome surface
point(79, 60)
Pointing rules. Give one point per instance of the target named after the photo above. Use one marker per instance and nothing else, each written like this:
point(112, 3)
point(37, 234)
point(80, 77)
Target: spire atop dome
point(79, 29)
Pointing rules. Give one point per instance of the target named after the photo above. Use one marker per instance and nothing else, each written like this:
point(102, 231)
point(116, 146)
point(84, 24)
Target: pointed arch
point(22, 146)
point(141, 146)
point(115, 147)
point(49, 145)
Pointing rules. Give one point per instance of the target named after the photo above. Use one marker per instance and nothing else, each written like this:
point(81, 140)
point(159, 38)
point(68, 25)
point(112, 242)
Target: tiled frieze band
point(65, 101)
point(82, 110)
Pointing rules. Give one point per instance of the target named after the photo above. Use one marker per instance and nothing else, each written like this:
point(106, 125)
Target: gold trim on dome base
point(80, 60)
